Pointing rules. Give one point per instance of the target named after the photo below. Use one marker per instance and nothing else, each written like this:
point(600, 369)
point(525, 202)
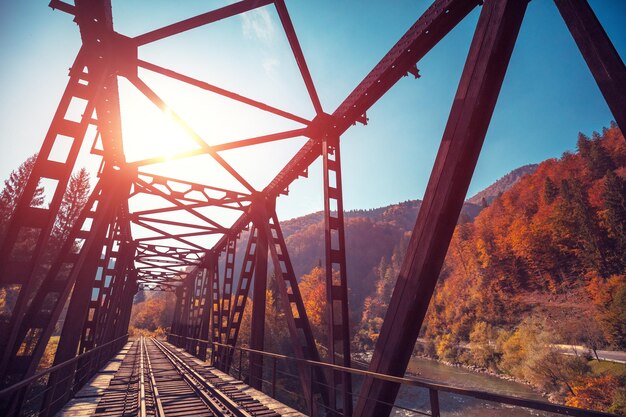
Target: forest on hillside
point(543, 264)
point(541, 261)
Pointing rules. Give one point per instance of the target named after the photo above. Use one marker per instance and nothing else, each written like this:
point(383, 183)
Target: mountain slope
point(370, 236)
point(502, 185)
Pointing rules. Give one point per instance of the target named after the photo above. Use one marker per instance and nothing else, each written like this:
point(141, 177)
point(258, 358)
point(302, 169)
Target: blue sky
point(548, 95)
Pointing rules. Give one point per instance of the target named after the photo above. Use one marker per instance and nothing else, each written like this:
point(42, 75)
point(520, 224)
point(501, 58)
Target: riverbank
point(460, 375)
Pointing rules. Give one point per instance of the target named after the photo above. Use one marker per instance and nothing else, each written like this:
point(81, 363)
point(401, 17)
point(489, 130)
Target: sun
point(149, 132)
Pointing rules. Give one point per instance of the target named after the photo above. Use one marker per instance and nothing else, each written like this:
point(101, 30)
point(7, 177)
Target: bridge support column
point(340, 396)
point(483, 74)
point(257, 325)
point(205, 322)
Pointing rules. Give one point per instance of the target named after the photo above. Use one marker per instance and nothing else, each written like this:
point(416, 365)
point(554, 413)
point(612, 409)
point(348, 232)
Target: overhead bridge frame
point(101, 265)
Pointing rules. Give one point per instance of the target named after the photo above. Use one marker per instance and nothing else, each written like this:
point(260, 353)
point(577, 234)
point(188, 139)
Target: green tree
point(550, 191)
point(614, 213)
point(577, 224)
point(74, 200)
point(594, 154)
point(13, 189)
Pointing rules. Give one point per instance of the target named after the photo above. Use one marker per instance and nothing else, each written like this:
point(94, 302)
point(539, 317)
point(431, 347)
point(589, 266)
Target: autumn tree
point(154, 314)
point(593, 392)
point(313, 290)
point(595, 155)
point(483, 345)
point(609, 299)
point(528, 353)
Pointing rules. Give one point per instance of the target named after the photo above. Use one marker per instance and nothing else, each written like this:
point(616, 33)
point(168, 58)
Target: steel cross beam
point(478, 90)
point(436, 22)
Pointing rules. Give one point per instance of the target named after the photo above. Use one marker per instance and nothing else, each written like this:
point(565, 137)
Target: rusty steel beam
point(436, 22)
point(221, 91)
point(215, 305)
point(205, 320)
point(292, 38)
point(241, 295)
point(300, 331)
point(226, 296)
point(257, 322)
point(336, 278)
point(481, 80)
point(19, 265)
point(200, 20)
point(599, 53)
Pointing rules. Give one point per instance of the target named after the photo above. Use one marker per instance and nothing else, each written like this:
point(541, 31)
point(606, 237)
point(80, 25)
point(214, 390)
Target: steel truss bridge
point(100, 266)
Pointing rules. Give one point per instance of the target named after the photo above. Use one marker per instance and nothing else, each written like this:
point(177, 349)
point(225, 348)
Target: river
point(453, 405)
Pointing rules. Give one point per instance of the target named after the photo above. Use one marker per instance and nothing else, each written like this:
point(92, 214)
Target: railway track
point(154, 381)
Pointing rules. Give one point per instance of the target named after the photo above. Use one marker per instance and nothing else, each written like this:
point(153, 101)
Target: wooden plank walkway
point(86, 400)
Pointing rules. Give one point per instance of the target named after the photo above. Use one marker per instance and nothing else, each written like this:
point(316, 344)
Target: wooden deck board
point(86, 400)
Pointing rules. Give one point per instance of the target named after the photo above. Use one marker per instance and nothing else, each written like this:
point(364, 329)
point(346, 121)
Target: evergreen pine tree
point(599, 161)
point(74, 200)
point(13, 189)
point(614, 214)
point(550, 191)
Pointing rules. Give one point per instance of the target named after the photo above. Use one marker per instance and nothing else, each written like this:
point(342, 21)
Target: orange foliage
point(593, 392)
point(545, 234)
point(313, 291)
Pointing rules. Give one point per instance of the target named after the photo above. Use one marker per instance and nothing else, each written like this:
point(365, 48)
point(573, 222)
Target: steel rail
point(158, 406)
point(210, 394)
point(142, 382)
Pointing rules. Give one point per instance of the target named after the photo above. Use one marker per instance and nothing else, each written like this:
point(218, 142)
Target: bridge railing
point(46, 392)
point(418, 396)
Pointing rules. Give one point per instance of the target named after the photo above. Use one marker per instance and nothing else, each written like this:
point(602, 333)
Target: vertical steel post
point(433, 395)
point(257, 325)
point(215, 309)
point(336, 278)
point(227, 290)
point(483, 74)
point(174, 329)
point(205, 323)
